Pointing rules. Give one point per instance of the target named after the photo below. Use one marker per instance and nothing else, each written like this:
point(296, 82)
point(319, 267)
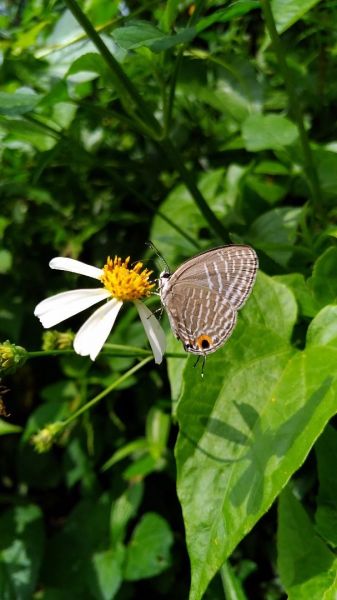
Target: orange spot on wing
point(204, 342)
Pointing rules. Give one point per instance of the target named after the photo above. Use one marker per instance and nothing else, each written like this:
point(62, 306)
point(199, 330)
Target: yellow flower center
point(126, 283)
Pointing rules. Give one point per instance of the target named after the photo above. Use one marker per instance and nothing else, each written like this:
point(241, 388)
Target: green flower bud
point(12, 357)
point(44, 438)
point(57, 340)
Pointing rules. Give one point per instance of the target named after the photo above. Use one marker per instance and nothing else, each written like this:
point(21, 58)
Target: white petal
point(153, 330)
point(94, 332)
point(75, 266)
point(60, 307)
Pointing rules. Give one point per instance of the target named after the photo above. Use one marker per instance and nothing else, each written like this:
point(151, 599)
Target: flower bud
point(44, 438)
point(57, 340)
point(12, 357)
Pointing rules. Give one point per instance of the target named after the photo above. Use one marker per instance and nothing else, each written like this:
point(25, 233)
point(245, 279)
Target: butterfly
point(202, 297)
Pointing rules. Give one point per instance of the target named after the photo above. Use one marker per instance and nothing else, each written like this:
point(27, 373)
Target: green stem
point(170, 101)
point(176, 160)
point(121, 80)
point(108, 350)
point(295, 109)
point(107, 390)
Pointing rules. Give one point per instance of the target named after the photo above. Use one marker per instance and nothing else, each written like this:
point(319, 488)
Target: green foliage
point(194, 125)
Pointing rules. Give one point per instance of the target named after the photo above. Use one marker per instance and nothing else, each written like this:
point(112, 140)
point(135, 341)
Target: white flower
point(120, 283)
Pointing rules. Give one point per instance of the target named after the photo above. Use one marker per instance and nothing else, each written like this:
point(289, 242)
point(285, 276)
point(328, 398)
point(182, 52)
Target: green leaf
point(148, 552)
point(303, 293)
point(263, 132)
point(25, 133)
point(326, 511)
point(21, 547)
point(157, 431)
point(323, 281)
point(248, 425)
point(107, 569)
point(18, 103)
point(326, 164)
point(124, 509)
point(6, 260)
point(136, 446)
point(90, 63)
point(275, 233)
point(287, 12)
point(306, 565)
point(141, 467)
point(323, 329)
point(223, 15)
point(136, 35)
point(268, 189)
point(236, 94)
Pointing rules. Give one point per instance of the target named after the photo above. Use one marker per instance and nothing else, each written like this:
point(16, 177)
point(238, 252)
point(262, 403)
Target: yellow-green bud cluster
point(44, 438)
point(12, 357)
point(57, 340)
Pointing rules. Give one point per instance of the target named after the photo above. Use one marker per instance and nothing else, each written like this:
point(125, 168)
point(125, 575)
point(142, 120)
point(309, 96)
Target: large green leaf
point(248, 425)
point(308, 568)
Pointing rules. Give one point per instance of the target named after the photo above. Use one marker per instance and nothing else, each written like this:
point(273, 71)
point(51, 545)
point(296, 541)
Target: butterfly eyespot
point(204, 342)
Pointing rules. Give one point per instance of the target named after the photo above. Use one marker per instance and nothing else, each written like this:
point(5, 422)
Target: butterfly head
point(164, 278)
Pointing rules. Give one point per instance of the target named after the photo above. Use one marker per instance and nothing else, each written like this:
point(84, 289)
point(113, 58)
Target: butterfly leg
point(203, 363)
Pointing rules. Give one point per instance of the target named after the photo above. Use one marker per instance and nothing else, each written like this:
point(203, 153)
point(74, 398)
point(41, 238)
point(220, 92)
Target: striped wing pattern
point(203, 295)
point(195, 312)
point(228, 270)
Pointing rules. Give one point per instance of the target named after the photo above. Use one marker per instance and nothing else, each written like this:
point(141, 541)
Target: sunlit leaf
point(250, 428)
point(268, 131)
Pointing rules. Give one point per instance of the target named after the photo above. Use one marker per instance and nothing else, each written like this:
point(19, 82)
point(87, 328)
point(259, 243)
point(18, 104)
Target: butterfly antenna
point(160, 256)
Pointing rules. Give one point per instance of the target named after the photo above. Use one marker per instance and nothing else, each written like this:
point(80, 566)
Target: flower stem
point(294, 104)
point(107, 390)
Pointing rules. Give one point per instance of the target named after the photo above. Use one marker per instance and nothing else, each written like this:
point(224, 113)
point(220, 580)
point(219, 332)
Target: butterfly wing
point(201, 318)
point(228, 270)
